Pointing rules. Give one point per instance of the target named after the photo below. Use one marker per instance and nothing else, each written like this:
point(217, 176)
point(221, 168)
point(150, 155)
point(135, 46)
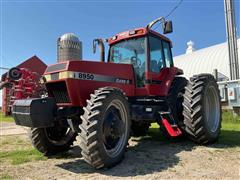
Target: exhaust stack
point(100, 43)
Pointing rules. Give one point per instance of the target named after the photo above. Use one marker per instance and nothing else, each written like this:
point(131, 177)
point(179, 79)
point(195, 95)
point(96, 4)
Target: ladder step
point(174, 132)
point(163, 112)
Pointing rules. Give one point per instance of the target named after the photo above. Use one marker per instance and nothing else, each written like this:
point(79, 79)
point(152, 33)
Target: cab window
point(167, 54)
point(133, 52)
point(156, 56)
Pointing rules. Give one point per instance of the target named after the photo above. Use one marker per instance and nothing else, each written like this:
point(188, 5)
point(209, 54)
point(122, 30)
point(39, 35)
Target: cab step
point(172, 129)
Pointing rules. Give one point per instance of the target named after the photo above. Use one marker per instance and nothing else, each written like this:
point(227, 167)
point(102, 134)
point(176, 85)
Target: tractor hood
point(72, 81)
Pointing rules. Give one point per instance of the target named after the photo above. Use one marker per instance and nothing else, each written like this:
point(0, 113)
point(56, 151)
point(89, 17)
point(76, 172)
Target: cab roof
point(138, 32)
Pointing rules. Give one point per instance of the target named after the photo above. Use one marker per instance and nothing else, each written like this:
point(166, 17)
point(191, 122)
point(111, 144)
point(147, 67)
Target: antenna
point(170, 12)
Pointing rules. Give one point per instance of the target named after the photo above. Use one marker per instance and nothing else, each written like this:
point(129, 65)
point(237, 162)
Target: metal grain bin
point(69, 48)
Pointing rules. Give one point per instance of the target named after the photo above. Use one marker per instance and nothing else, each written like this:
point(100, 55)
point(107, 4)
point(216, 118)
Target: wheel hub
point(112, 130)
point(59, 134)
point(212, 105)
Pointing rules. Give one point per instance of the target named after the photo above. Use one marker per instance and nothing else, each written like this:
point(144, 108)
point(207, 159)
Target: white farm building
point(205, 60)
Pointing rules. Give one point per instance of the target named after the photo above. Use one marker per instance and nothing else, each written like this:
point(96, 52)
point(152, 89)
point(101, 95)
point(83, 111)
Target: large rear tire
point(105, 128)
point(202, 109)
point(51, 141)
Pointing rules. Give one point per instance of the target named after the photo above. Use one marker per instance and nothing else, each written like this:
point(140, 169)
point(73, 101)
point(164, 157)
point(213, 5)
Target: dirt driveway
point(145, 158)
point(10, 128)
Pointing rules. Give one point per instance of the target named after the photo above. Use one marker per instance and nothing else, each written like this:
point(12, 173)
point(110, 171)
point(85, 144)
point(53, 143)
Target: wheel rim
point(211, 107)
point(114, 128)
point(58, 135)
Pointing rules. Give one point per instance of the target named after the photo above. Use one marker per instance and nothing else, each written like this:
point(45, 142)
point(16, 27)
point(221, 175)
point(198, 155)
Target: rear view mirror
point(167, 27)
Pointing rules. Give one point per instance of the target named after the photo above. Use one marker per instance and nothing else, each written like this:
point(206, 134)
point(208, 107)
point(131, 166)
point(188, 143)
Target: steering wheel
point(135, 61)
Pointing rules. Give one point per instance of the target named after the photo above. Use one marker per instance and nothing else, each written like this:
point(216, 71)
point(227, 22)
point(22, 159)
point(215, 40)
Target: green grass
point(227, 116)
point(21, 156)
point(15, 142)
point(5, 176)
point(6, 118)
point(18, 150)
point(230, 131)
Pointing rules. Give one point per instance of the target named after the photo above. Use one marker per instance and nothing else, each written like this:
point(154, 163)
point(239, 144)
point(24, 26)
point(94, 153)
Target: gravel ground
point(10, 128)
point(144, 159)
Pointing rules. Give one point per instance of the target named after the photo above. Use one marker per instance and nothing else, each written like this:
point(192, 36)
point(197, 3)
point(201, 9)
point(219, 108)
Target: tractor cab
point(147, 50)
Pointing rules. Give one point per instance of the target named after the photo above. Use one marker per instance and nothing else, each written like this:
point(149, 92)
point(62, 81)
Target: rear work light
point(114, 37)
point(132, 32)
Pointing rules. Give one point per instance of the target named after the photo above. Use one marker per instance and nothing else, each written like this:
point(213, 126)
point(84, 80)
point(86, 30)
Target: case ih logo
point(123, 81)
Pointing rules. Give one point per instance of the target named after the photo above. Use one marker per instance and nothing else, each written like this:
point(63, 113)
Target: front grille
point(59, 92)
point(22, 109)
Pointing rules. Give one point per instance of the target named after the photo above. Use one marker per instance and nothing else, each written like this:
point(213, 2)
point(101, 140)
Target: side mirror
point(167, 27)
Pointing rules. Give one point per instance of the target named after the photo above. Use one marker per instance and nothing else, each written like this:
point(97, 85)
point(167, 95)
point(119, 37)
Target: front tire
point(53, 140)
point(105, 128)
point(202, 109)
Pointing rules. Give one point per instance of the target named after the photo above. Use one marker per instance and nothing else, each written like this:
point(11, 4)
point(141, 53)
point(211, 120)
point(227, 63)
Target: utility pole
point(231, 38)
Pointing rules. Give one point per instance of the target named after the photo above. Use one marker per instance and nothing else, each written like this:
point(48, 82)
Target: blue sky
point(32, 27)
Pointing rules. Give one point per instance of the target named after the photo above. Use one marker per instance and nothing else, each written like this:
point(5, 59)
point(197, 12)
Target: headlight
point(60, 75)
point(66, 74)
point(47, 77)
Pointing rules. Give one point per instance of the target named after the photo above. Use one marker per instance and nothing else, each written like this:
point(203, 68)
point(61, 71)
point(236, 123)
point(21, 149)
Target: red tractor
point(104, 103)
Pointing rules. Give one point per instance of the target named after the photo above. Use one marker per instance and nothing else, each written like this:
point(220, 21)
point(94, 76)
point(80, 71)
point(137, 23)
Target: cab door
point(161, 71)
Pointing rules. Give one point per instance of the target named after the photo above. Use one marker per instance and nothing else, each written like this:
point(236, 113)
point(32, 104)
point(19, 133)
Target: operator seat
point(154, 66)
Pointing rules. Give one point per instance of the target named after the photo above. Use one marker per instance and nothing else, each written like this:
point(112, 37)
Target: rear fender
point(160, 83)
